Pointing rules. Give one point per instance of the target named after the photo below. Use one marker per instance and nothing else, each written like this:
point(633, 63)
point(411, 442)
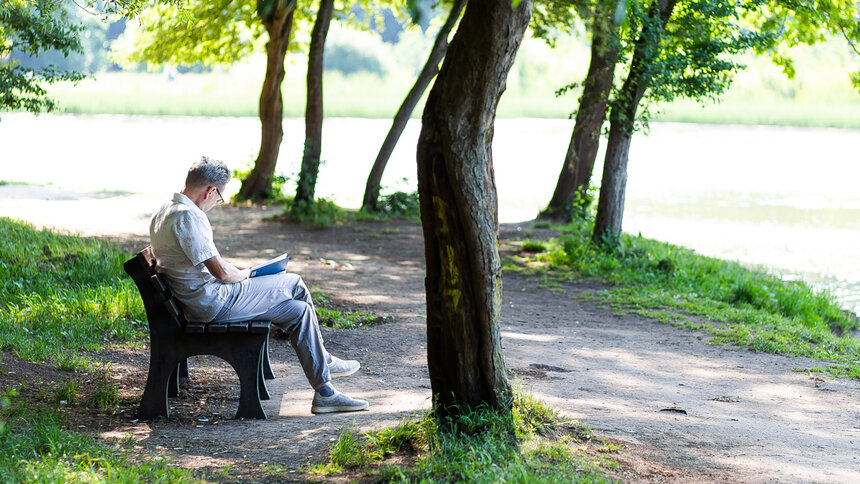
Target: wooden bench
point(244, 345)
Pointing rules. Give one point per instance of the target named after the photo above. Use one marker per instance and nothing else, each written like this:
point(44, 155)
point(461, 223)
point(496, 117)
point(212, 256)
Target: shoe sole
point(343, 374)
point(338, 409)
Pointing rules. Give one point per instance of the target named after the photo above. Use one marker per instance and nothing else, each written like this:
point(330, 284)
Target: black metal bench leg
point(173, 383)
point(248, 366)
point(153, 403)
point(183, 371)
point(261, 380)
point(268, 374)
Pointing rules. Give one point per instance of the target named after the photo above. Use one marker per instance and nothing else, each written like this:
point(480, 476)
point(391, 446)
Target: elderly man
point(213, 290)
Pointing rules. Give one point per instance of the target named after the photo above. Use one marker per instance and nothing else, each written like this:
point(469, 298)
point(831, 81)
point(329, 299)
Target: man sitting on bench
point(213, 290)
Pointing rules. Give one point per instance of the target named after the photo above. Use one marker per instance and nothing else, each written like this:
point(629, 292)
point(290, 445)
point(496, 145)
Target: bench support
point(243, 345)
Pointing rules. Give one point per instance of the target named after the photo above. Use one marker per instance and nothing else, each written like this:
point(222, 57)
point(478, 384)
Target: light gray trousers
point(285, 300)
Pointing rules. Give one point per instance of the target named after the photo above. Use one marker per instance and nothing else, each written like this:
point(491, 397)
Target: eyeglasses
point(220, 198)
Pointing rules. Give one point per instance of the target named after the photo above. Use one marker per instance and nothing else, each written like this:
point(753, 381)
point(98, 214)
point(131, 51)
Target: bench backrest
point(162, 310)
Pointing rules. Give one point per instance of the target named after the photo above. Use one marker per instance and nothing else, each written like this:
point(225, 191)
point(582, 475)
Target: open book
point(273, 266)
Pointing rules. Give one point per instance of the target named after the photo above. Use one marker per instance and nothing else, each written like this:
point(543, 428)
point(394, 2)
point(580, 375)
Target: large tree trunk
point(314, 109)
point(459, 210)
point(571, 191)
point(610, 207)
point(258, 184)
point(428, 72)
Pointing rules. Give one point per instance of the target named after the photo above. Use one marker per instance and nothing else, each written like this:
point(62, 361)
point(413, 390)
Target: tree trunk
point(314, 108)
point(459, 210)
point(428, 72)
point(610, 207)
point(571, 191)
point(258, 184)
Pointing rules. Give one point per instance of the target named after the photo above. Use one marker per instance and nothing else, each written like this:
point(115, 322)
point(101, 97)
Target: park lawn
point(64, 296)
point(62, 299)
point(531, 444)
point(736, 305)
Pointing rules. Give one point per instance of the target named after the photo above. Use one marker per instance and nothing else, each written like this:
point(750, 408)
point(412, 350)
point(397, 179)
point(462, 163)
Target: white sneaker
point(336, 403)
point(338, 368)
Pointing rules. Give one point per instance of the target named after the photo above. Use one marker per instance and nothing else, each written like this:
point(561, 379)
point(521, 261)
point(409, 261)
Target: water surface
point(784, 199)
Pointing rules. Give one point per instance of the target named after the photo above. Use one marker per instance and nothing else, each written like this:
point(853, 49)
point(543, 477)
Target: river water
point(783, 199)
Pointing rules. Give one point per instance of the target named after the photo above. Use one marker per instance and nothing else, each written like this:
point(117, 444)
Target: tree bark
point(575, 177)
point(428, 72)
point(610, 207)
point(314, 108)
point(459, 210)
point(258, 184)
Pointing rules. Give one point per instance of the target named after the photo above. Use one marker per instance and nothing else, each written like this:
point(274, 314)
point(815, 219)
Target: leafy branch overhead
point(32, 28)
point(799, 22)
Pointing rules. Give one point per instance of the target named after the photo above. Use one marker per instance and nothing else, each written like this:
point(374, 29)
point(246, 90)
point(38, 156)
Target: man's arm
point(225, 271)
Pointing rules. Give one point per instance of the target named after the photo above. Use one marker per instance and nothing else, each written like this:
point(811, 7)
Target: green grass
point(35, 447)
point(348, 319)
point(343, 319)
point(531, 445)
point(737, 305)
point(63, 296)
point(324, 213)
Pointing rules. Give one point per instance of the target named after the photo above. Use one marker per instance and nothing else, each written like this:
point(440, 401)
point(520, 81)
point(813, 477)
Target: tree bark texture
point(258, 184)
point(575, 176)
point(314, 107)
point(610, 206)
point(428, 72)
point(459, 210)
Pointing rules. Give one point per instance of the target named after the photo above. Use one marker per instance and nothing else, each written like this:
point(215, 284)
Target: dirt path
point(682, 409)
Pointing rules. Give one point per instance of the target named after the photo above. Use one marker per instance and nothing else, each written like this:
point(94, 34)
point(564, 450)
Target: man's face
point(213, 198)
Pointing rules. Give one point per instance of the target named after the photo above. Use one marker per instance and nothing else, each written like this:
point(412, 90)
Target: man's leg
point(297, 319)
point(285, 300)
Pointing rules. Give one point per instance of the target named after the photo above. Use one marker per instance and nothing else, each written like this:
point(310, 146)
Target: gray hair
point(206, 173)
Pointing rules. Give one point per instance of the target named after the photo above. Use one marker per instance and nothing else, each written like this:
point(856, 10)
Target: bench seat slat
point(216, 328)
point(239, 327)
point(195, 328)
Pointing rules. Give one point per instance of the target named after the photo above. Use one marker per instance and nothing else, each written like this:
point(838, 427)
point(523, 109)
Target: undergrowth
point(324, 212)
point(737, 305)
point(36, 447)
point(338, 319)
point(63, 296)
point(529, 444)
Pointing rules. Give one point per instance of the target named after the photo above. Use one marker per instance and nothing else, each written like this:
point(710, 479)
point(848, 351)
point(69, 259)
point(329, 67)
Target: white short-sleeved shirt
point(182, 240)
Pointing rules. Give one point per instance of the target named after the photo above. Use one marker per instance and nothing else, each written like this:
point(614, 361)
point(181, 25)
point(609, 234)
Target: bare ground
point(681, 409)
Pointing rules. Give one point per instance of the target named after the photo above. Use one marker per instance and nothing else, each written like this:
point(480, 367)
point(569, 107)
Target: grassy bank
point(63, 296)
point(533, 444)
point(36, 447)
point(736, 305)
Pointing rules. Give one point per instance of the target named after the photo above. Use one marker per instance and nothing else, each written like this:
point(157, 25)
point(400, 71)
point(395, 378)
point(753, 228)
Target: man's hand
point(225, 271)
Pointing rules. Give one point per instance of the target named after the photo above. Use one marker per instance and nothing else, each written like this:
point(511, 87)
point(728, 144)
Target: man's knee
point(293, 315)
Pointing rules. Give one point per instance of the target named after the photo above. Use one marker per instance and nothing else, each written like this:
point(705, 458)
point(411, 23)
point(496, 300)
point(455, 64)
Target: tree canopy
point(33, 27)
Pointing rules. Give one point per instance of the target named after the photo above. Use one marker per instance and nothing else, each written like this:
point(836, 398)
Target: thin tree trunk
point(459, 210)
point(314, 109)
point(610, 207)
point(258, 184)
point(575, 177)
point(428, 72)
